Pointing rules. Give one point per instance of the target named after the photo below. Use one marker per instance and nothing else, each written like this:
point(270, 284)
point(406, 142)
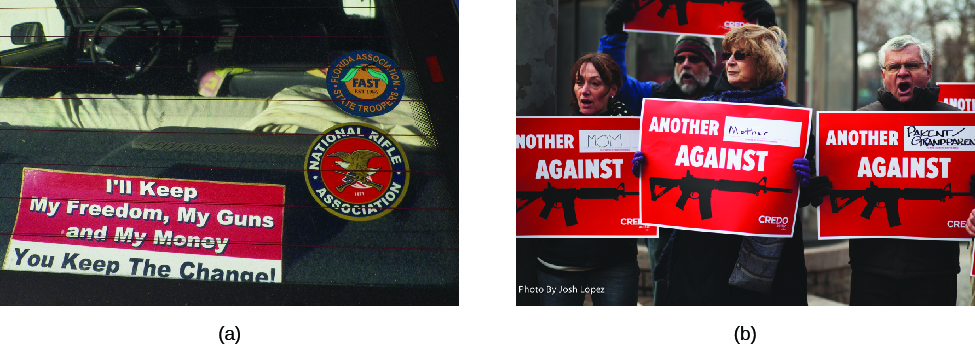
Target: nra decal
point(357, 172)
point(365, 83)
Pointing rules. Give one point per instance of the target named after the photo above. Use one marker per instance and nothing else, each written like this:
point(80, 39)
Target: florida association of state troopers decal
point(357, 171)
point(365, 83)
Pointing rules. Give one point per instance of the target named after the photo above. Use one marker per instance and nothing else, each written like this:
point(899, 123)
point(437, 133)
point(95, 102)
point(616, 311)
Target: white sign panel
point(591, 141)
point(939, 138)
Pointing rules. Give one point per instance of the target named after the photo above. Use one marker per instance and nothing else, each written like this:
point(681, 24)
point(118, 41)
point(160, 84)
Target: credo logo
point(773, 220)
point(957, 223)
point(730, 25)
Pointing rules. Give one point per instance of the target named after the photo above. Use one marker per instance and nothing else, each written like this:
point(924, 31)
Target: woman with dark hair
point(605, 267)
point(721, 269)
point(595, 81)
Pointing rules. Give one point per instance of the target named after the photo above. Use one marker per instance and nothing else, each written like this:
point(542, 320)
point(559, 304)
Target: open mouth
point(903, 88)
point(686, 77)
point(585, 103)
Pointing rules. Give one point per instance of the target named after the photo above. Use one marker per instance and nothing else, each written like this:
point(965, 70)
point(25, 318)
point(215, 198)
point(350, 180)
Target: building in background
point(43, 12)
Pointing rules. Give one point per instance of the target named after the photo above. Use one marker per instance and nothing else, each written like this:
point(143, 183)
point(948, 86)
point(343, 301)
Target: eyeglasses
point(691, 58)
point(738, 56)
point(912, 67)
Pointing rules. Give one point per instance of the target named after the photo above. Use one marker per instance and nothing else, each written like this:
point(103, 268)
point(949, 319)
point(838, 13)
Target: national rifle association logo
point(357, 172)
point(365, 83)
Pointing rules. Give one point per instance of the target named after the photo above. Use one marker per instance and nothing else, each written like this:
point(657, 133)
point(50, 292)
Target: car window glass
point(228, 142)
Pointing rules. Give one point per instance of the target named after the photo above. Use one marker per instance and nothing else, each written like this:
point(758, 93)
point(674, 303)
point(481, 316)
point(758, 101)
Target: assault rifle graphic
point(703, 187)
point(874, 196)
point(564, 198)
point(681, 7)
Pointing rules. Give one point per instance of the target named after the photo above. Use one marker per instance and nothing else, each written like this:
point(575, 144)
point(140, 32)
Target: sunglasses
point(912, 67)
point(692, 59)
point(738, 56)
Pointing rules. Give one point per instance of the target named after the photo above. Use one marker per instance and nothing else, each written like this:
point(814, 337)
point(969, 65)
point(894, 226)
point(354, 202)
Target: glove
point(761, 10)
point(621, 11)
point(638, 160)
point(819, 187)
point(970, 225)
point(801, 165)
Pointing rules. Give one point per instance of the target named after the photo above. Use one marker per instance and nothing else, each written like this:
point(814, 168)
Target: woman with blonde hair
point(721, 269)
point(755, 66)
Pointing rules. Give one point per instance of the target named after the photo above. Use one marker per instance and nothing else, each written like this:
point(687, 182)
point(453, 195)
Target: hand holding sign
point(621, 11)
point(638, 160)
point(801, 165)
point(970, 225)
point(819, 187)
point(759, 11)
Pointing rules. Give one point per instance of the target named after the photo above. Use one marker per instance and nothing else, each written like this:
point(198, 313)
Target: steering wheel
point(140, 58)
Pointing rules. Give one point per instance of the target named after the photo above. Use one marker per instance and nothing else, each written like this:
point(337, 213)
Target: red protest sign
point(959, 95)
point(695, 17)
point(573, 177)
point(134, 226)
point(896, 174)
point(721, 167)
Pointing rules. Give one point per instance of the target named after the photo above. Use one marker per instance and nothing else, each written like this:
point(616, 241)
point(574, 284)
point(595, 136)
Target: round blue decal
point(365, 83)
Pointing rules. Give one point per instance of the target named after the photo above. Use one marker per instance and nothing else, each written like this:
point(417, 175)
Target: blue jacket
point(632, 92)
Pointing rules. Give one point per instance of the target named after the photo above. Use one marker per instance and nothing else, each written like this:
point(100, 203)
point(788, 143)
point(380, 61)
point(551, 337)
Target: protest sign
point(694, 17)
point(147, 227)
point(959, 95)
point(896, 174)
point(721, 167)
point(573, 177)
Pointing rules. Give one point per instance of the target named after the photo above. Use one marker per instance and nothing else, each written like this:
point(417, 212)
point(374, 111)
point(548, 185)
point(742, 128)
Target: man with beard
point(694, 61)
point(693, 67)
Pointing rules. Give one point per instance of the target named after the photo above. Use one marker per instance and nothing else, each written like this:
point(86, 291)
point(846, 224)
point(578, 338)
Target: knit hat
point(701, 46)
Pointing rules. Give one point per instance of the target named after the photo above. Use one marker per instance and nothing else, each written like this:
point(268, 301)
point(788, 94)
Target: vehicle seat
point(27, 82)
point(264, 83)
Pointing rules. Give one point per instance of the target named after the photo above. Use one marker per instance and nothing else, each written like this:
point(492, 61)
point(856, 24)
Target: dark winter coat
point(925, 99)
point(703, 262)
point(590, 252)
point(900, 258)
point(671, 90)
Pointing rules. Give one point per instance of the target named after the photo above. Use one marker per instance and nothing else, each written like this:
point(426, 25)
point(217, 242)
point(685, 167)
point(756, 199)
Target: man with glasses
point(897, 271)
